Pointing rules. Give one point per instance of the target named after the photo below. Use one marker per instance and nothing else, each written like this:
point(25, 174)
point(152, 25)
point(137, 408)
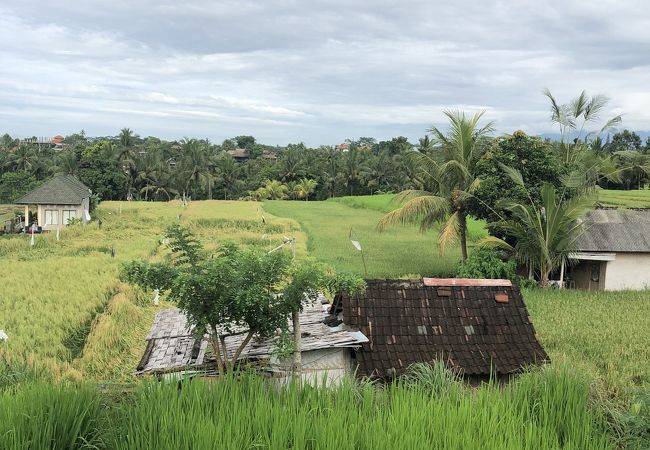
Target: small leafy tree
point(236, 291)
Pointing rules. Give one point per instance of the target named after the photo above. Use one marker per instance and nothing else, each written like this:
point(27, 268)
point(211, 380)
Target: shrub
point(486, 263)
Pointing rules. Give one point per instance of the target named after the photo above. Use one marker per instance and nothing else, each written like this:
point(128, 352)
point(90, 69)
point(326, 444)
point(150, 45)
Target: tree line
point(127, 166)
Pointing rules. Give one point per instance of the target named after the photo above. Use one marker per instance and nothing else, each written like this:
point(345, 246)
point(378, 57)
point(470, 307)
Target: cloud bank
point(318, 71)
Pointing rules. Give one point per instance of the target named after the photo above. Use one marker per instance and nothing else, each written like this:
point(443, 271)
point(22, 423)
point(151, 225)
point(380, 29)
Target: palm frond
point(513, 174)
point(579, 105)
point(426, 209)
point(449, 233)
point(612, 123)
point(494, 242)
point(594, 107)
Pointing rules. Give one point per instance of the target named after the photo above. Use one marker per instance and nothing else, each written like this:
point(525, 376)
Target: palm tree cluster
point(157, 170)
point(539, 231)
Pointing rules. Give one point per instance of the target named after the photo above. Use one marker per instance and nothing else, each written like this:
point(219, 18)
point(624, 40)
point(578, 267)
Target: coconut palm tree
point(453, 176)
point(305, 187)
point(544, 233)
point(227, 173)
point(275, 190)
point(67, 163)
point(24, 157)
point(195, 165)
point(353, 168)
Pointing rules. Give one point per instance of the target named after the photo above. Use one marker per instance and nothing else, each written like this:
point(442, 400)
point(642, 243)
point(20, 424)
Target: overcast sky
point(312, 71)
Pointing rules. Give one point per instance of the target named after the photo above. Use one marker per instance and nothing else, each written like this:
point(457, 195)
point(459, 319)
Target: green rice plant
point(545, 410)
point(45, 416)
point(601, 333)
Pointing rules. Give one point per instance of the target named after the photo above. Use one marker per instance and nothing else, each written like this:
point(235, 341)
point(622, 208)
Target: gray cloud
point(318, 71)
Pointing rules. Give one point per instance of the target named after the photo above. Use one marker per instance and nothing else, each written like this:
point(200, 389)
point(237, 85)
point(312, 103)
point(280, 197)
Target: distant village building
point(477, 327)
point(343, 148)
point(57, 201)
point(55, 142)
point(269, 156)
point(613, 252)
point(239, 154)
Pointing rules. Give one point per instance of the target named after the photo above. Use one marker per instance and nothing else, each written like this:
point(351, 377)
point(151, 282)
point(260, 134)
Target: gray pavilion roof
point(615, 230)
point(172, 346)
point(60, 190)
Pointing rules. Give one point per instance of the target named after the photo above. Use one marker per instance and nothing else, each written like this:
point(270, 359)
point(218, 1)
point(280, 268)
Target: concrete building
point(57, 201)
point(613, 253)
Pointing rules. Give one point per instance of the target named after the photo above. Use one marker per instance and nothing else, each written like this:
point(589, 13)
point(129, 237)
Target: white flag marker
point(356, 244)
point(156, 299)
point(3, 336)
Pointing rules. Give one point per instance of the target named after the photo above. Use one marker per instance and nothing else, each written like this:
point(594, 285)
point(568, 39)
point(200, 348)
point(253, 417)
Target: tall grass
point(542, 410)
point(43, 416)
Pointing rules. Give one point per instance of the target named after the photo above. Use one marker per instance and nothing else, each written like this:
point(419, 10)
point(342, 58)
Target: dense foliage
point(487, 263)
point(128, 166)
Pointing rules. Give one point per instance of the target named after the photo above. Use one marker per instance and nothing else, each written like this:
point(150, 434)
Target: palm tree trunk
point(462, 225)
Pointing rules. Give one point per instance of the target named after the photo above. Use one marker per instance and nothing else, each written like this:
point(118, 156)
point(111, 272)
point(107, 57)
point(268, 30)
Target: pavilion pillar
point(26, 215)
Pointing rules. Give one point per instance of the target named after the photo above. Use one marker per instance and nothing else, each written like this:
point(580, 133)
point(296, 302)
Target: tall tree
point(544, 232)
point(194, 167)
point(24, 158)
point(454, 176)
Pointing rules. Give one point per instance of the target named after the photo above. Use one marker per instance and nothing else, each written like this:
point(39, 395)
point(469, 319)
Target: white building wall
point(328, 366)
point(628, 271)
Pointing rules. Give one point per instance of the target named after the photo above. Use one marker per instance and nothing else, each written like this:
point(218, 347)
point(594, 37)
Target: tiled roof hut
point(477, 327)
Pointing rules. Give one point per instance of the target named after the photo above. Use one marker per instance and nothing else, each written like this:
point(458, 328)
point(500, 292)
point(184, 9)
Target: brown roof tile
point(409, 321)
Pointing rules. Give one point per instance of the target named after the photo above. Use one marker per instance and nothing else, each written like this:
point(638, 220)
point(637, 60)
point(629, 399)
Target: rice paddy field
point(61, 303)
point(628, 199)
point(396, 252)
point(73, 326)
